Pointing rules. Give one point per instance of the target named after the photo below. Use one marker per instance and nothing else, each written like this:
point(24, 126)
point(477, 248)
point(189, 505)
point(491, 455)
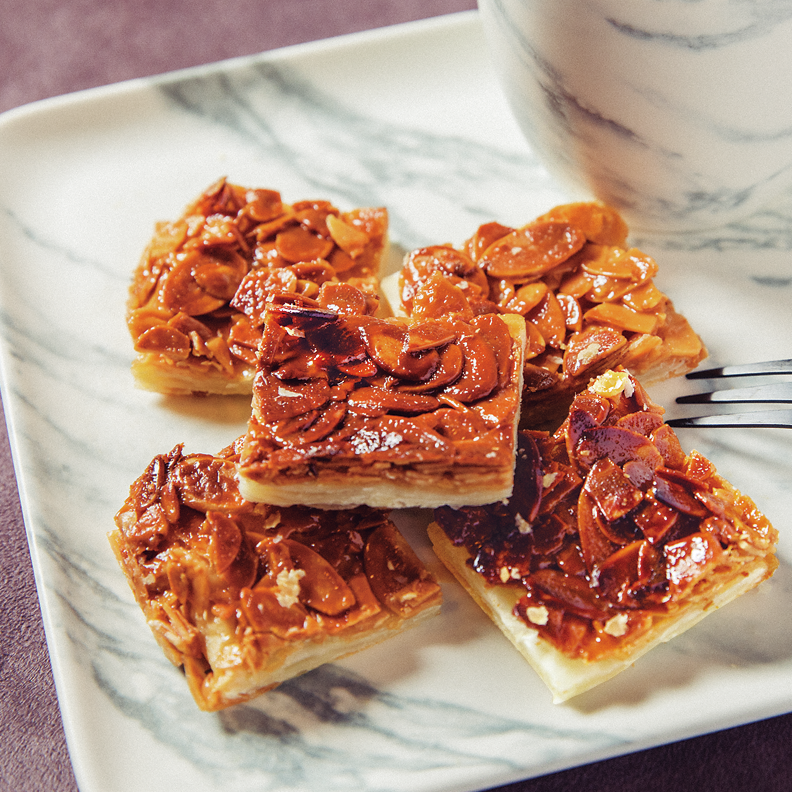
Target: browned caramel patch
point(612, 527)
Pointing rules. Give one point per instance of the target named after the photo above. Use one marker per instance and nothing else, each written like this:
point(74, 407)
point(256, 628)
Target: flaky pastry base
point(565, 676)
point(231, 671)
point(394, 486)
point(153, 372)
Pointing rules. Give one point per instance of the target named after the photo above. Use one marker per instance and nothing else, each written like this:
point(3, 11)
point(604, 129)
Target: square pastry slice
point(614, 541)
point(244, 596)
point(391, 413)
point(195, 301)
point(589, 301)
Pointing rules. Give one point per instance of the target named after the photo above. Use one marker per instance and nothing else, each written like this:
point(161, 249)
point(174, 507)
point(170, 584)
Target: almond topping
point(350, 239)
point(616, 625)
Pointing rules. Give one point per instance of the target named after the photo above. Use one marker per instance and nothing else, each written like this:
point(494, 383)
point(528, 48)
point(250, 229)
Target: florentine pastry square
point(589, 301)
point(614, 541)
point(244, 596)
point(392, 413)
point(195, 298)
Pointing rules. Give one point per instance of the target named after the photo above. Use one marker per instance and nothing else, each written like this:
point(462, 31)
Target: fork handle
point(778, 419)
point(744, 370)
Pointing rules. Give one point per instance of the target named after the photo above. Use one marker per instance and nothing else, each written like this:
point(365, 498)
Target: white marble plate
point(411, 118)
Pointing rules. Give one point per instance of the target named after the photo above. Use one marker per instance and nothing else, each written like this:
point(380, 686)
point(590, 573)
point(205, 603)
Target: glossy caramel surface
point(202, 561)
point(199, 289)
point(340, 388)
point(611, 526)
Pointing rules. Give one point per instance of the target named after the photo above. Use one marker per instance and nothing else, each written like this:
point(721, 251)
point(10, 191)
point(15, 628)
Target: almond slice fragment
point(350, 239)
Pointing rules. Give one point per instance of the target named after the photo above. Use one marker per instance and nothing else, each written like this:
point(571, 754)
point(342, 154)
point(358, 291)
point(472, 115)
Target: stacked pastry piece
point(275, 555)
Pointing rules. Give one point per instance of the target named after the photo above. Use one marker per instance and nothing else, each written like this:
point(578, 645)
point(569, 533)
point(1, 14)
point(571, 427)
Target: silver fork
point(774, 393)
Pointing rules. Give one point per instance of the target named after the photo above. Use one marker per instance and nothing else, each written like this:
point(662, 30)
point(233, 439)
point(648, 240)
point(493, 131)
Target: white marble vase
point(678, 112)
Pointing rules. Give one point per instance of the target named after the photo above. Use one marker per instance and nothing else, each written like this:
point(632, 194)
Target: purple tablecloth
point(49, 48)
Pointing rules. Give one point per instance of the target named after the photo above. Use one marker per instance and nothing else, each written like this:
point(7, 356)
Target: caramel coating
point(612, 526)
point(203, 563)
point(589, 301)
point(196, 302)
point(345, 391)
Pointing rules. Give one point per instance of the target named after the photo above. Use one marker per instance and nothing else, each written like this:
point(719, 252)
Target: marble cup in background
point(678, 112)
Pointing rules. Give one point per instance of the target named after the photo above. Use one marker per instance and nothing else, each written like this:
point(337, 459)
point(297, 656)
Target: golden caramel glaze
point(194, 308)
point(589, 301)
point(613, 530)
point(246, 595)
point(350, 408)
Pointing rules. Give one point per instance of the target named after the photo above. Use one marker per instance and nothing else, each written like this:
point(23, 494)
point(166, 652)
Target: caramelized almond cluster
point(190, 301)
point(588, 300)
point(337, 386)
point(214, 572)
point(611, 526)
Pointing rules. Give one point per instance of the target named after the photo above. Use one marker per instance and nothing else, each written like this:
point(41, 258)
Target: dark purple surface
point(49, 48)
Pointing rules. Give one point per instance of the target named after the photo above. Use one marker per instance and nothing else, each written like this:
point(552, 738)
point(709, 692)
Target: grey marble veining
point(387, 158)
point(449, 706)
point(744, 22)
point(339, 150)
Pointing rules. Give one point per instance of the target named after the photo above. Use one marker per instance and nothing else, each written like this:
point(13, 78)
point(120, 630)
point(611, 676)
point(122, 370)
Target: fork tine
point(778, 419)
point(778, 392)
point(744, 370)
